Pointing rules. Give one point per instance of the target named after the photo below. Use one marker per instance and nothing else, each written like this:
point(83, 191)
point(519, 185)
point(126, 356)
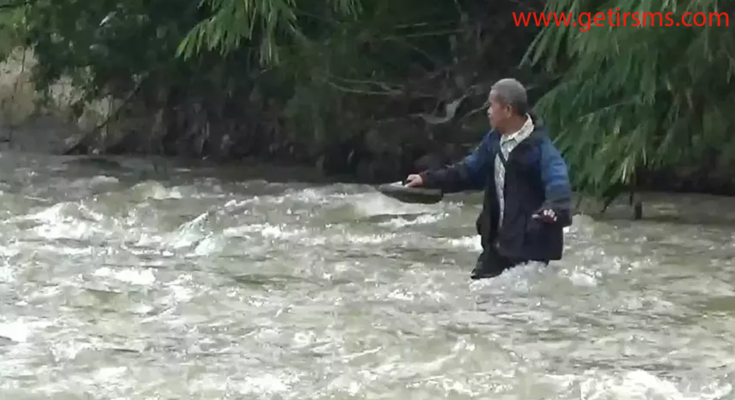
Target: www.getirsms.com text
point(586, 20)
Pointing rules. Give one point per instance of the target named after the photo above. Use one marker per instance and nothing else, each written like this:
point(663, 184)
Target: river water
point(197, 283)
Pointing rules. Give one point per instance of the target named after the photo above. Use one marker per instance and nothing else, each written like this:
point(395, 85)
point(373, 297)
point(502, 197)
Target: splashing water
point(196, 285)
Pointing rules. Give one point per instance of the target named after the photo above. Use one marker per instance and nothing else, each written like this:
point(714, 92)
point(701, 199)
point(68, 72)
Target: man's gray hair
point(511, 92)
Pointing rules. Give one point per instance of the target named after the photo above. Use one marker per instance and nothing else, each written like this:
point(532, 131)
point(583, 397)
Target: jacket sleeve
point(555, 177)
point(467, 174)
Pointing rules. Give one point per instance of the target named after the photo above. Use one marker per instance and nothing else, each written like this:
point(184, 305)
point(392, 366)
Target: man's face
point(497, 113)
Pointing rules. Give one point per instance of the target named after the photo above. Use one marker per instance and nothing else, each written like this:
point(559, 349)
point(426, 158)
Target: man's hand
point(546, 215)
point(414, 181)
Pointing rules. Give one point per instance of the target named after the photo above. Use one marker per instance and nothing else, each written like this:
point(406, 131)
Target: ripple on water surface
point(214, 289)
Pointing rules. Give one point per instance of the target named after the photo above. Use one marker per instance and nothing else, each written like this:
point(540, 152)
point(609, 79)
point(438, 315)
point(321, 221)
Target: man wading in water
point(528, 196)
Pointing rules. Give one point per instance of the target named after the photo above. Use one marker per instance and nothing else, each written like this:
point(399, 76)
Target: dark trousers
point(491, 264)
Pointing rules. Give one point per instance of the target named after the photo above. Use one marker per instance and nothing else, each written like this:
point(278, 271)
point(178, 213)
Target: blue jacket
point(536, 179)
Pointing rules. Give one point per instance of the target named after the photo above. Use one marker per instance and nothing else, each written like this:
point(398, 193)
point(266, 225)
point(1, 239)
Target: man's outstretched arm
point(558, 189)
point(468, 174)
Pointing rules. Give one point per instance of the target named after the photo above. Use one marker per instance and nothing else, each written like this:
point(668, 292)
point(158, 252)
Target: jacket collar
point(540, 131)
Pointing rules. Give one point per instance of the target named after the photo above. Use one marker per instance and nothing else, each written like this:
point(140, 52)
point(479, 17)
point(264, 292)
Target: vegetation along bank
point(373, 89)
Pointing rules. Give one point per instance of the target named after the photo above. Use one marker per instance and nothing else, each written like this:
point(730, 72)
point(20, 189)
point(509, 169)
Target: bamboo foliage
point(332, 54)
point(632, 98)
point(272, 23)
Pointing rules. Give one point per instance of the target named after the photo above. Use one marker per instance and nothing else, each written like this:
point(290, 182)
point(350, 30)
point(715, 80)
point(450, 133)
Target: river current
point(129, 282)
